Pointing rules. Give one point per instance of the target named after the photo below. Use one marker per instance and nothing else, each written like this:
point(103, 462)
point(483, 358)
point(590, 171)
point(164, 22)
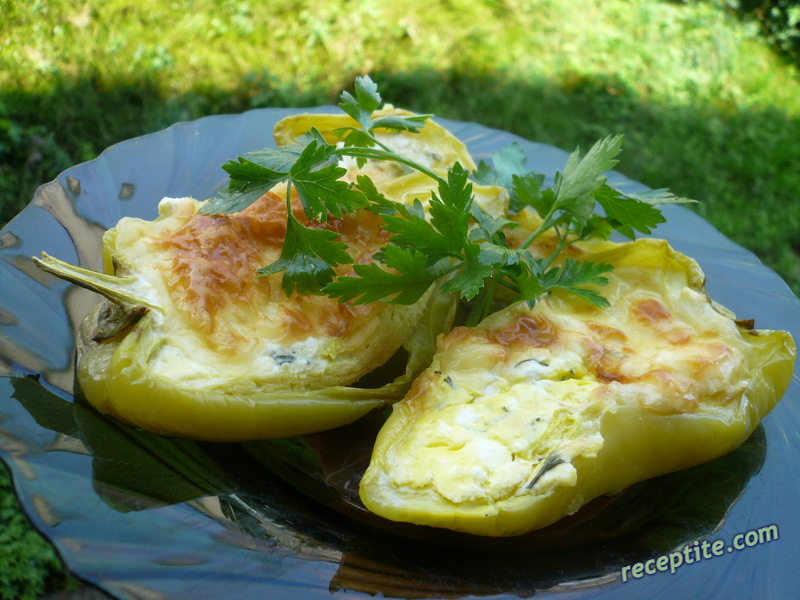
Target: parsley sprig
point(456, 242)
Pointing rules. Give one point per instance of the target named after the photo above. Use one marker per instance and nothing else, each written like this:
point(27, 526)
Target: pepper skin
point(192, 344)
point(528, 416)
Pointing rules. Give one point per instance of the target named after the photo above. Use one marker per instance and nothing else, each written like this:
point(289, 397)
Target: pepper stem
point(117, 289)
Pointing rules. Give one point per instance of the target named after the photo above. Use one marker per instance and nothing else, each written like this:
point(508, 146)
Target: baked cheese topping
point(507, 406)
point(223, 317)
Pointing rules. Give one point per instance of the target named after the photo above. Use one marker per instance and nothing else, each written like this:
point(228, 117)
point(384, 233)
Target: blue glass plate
point(144, 516)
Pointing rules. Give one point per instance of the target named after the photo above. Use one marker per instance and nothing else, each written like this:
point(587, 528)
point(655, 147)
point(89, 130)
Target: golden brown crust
point(212, 260)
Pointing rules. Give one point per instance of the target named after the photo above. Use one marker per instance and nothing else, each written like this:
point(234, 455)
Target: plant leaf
point(321, 189)
point(627, 214)
point(407, 284)
point(366, 100)
point(308, 258)
point(506, 163)
point(468, 280)
point(574, 274)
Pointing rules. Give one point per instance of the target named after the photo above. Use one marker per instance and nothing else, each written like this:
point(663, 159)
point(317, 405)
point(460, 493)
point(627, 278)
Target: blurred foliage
point(779, 21)
point(28, 564)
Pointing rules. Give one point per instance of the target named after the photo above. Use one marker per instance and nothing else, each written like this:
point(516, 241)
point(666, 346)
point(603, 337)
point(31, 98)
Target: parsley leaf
point(248, 183)
point(468, 281)
point(280, 159)
point(574, 274)
point(381, 205)
point(450, 210)
point(498, 255)
point(365, 102)
point(417, 233)
point(410, 123)
point(232, 200)
point(488, 226)
point(408, 284)
point(508, 170)
point(311, 168)
point(321, 189)
point(283, 158)
point(423, 250)
point(660, 196)
point(626, 214)
point(456, 243)
point(583, 176)
point(526, 190)
point(508, 162)
point(307, 258)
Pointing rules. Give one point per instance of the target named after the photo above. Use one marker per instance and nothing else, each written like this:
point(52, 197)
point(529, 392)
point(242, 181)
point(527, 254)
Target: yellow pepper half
point(191, 343)
point(528, 416)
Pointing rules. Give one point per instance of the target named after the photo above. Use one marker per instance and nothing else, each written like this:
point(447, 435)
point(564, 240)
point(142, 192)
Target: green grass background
point(708, 103)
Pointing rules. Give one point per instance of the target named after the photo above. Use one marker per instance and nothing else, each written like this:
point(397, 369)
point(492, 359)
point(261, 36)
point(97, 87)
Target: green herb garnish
point(457, 242)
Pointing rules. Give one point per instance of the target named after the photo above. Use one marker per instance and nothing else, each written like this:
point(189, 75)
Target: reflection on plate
point(146, 516)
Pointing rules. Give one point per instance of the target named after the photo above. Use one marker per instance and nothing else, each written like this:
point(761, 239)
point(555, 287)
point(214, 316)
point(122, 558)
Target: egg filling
point(528, 416)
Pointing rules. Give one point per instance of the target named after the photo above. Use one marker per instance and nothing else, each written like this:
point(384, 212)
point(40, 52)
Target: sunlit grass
point(665, 51)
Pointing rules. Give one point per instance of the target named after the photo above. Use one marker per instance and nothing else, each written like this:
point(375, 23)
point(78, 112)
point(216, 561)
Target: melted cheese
point(509, 408)
point(219, 318)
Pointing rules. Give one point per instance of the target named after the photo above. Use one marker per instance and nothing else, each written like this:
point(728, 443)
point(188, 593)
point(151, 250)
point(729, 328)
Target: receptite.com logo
point(698, 551)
